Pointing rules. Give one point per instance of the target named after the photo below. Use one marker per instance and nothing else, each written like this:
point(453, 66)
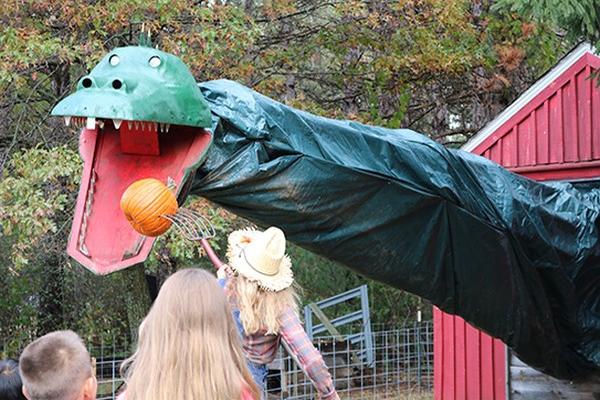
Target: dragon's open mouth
point(101, 238)
point(142, 116)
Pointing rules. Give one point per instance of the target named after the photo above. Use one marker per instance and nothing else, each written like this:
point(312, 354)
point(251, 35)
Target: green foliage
point(17, 314)
point(514, 44)
point(37, 186)
point(42, 290)
point(48, 33)
point(579, 18)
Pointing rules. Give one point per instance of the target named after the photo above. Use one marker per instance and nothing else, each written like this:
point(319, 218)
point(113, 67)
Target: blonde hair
point(259, 308)
point(55, 366)
point(188, 346)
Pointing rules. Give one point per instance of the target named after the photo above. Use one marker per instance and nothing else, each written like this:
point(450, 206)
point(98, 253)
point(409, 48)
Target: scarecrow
point(259, 282)
point(516, 258)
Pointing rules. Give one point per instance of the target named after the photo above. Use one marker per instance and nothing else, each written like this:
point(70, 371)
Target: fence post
point(308, 322)
point(418, 332)
point(364, 301)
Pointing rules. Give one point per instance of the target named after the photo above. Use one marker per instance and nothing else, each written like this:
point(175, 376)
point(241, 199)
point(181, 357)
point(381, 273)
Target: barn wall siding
point(473, 364)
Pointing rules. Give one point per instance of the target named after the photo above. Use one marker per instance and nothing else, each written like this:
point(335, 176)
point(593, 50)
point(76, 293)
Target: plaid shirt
point(261, 348)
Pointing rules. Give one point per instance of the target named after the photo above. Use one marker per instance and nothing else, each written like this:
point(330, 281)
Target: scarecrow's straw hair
point(260, 308)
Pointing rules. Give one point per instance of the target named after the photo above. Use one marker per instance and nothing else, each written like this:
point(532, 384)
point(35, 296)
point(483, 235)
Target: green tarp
point(516, 258)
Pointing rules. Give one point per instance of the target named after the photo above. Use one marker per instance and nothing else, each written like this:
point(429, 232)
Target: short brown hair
point(55, 366)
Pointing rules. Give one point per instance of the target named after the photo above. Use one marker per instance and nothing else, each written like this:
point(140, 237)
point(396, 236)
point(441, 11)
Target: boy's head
point(10, 381)
point(57, 366)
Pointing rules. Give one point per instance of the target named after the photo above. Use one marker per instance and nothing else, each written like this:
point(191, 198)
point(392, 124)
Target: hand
point(224, 272)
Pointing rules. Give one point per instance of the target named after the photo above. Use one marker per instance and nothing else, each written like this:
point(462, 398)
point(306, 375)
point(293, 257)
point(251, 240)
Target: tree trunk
point(133, 283)
point(51, 297)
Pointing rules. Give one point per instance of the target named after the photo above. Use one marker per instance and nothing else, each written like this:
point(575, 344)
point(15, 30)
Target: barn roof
point(556, 121)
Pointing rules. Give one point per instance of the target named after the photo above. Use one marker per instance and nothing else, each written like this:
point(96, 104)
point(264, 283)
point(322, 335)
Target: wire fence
point(108, 360)
point(402, 367)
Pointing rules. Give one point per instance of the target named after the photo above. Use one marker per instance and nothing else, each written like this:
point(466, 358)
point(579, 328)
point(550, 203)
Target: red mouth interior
point(101, 238)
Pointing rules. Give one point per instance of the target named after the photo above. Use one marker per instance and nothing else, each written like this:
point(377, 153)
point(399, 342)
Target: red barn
point(551, 132)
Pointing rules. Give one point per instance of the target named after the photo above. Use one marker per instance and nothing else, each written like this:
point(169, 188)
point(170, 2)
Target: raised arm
point(310, 360)
point(212, 256)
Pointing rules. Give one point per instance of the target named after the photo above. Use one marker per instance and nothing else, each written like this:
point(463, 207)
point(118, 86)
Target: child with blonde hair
point(188, 346)
point(259, 283)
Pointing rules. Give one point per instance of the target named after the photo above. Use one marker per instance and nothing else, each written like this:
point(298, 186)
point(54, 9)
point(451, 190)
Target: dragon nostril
point(117, 84)
point(86, 83)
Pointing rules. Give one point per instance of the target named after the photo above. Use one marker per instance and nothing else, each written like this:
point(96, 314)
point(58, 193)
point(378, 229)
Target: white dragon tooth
point(129, 124)
point(117, 123)
point(167, 128)
point(101, 124)
point(135, 125)
point(160, 127)
point(154, 127)
point(91, 123)
point(68, 120)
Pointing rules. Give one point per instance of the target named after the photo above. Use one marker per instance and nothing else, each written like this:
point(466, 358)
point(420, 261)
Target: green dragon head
point(137, 84)
point(143, 116)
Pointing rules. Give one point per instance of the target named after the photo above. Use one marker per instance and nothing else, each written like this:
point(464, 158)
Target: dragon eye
point(114, 60)
point(154, 61)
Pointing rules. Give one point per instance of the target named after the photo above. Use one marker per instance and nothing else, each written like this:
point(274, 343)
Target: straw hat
point(260, 257)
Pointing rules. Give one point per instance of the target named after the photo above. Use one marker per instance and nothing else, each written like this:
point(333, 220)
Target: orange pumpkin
point(144, 203)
